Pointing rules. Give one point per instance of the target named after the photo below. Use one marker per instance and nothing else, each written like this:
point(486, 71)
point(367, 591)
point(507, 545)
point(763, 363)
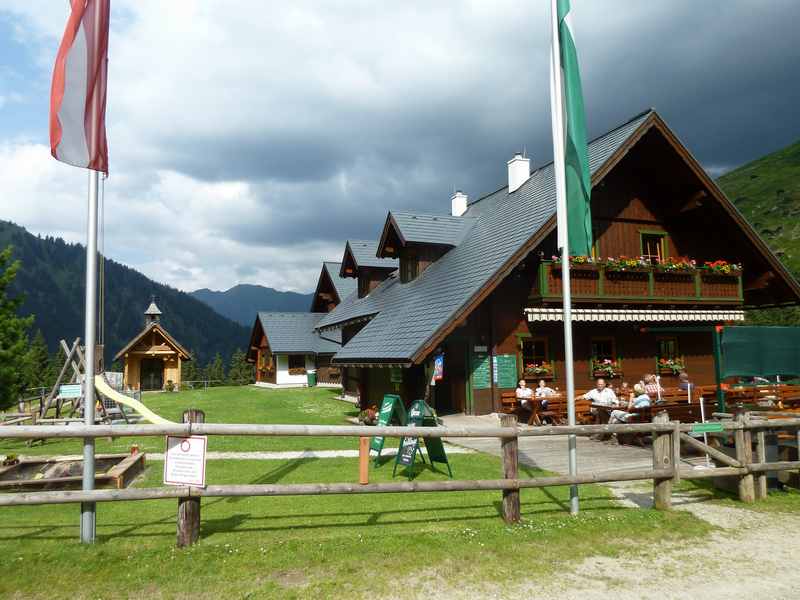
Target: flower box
point(670, 366)
point(607, 369)
point(297, 371)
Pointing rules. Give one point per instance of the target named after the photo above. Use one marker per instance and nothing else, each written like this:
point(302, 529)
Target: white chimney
point(458, 203)
point(519, 170)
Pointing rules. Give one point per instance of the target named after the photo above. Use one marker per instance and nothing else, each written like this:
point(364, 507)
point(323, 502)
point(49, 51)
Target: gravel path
point(751, 556)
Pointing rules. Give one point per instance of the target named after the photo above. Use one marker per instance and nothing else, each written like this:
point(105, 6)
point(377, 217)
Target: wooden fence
point(748, 466)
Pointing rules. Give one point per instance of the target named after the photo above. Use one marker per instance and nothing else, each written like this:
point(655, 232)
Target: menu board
point(481, 373)
point(392, 406)
point(505, 371)
point(420, 414)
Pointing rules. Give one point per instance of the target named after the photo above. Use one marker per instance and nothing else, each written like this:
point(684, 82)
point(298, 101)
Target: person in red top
point(652, 387)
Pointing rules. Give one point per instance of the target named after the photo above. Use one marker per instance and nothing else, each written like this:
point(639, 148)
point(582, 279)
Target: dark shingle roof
point(344, 285)
point(408, 315)
point(365, 254)
point(431, 229)
point(293, 333)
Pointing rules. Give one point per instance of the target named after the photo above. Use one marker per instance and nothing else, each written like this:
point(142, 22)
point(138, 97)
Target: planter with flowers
point(584, 272)
point(670, 366)
point(606, 368)
point(541, 370)
point(722, 268)
point(627, 276)
point(297, 371)
point(674, 277)
point(720, 279)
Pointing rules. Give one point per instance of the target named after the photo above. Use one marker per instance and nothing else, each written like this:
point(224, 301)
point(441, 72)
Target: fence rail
point(750, 467)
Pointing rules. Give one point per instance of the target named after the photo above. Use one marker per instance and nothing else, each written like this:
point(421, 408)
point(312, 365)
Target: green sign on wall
point(505, 371)
point(481, 373)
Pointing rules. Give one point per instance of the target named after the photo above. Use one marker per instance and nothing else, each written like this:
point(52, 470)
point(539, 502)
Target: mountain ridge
point(241, 302)
point(51, 279)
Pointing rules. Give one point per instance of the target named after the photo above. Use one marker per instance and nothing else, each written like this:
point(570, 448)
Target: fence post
point(744, 454)
point(761, 456)
point(189, 507)
point(509, 450)
point(662, 459)
point(363, 460)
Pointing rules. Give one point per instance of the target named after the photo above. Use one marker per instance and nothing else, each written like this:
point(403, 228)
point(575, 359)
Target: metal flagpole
point(557, 114)
point(88, 508)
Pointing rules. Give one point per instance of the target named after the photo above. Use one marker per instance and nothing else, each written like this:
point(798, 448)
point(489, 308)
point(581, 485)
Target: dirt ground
point(752, 556)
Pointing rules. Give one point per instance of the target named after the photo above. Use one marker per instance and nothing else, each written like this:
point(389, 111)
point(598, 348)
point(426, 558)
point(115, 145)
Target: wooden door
point(152, 374)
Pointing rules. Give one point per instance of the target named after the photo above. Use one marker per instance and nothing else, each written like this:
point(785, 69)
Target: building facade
point(481, 286)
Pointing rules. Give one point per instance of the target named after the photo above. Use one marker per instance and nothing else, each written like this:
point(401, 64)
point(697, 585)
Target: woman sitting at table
point(524, 395)
point(638, 399)
point(543, 392)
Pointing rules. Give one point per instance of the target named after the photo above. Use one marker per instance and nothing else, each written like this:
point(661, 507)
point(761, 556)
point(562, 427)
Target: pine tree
point(190, 371)
point(240, 371)
point(13, 334)
point(37, 360)
point(215, 371)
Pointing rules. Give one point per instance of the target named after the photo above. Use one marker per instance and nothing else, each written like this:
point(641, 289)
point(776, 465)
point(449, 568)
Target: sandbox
point(31, 473)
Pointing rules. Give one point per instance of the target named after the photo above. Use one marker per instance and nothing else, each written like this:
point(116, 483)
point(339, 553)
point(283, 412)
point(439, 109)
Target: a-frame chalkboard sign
point(420, 415)
point(392, 409)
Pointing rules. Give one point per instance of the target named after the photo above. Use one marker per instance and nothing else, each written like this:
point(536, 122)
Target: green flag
point(578, 179)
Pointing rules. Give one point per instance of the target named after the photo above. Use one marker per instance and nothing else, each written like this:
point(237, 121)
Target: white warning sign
point(185, 461)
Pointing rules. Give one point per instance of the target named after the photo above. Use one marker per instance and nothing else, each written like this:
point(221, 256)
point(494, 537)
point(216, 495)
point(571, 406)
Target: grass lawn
point(247, 404)
point(297, 547)
point(326, 546)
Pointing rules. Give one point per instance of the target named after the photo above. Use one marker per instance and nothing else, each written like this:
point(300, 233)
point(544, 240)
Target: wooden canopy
point(154, 340)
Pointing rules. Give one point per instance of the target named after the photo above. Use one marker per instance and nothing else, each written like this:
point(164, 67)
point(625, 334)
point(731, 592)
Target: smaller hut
point(153, 358)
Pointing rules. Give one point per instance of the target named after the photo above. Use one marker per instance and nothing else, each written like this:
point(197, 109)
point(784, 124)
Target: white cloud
point(248, 139)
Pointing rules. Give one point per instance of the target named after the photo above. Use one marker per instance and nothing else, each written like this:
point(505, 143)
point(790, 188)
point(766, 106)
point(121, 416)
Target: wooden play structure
point(63, 403)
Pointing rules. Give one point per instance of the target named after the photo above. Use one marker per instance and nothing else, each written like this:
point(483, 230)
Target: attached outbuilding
point(153, 358)
point(285, 347)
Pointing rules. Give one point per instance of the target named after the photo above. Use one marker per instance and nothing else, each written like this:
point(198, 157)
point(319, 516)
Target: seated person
point(683, 381)
point(524, 394)
point(543, 392)
point(601, 394)
point(652, 387)
point(638, 399)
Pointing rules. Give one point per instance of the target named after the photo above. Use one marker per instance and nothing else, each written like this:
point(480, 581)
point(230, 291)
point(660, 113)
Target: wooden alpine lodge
point(480, 287)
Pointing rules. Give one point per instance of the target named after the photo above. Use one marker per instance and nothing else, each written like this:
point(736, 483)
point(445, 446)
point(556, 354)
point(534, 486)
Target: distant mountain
point(52, 280)
point(242, 302)
point(767, 192)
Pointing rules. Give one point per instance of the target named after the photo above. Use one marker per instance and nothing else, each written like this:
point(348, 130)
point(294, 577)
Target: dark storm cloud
point(275, 131)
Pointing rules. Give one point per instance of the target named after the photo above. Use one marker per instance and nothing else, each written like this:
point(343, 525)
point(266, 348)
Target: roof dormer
point(361, 261)
point(418, 240)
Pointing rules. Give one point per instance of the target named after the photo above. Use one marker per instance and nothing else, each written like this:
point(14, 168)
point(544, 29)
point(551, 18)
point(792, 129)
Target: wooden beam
point(695, 201)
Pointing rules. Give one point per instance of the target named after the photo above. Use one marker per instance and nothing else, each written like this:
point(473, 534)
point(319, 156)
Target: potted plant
point(670, 366)
point(368, 416)
point(538, 370)
point(606, 367)
point(578, 262)
point(679, 266)
point(722, 267)
point(627, 264)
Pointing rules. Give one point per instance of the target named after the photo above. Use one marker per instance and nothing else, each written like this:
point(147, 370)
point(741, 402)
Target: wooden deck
point(551, 453)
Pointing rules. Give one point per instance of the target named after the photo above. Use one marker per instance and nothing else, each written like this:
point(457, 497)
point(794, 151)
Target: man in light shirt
point(601, 394)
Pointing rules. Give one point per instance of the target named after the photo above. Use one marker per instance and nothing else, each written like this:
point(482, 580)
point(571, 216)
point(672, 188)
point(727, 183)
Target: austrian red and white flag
point(78, 94)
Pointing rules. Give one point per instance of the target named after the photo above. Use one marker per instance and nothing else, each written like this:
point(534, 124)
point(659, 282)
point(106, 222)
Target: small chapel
point(152, 359)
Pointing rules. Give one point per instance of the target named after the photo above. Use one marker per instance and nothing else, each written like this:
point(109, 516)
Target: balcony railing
point(595, 283)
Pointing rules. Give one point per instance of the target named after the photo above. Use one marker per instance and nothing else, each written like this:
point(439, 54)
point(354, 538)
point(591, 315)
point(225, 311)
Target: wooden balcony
point(645, 285)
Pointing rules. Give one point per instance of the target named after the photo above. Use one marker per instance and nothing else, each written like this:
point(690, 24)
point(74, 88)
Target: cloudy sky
point(248, 140)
